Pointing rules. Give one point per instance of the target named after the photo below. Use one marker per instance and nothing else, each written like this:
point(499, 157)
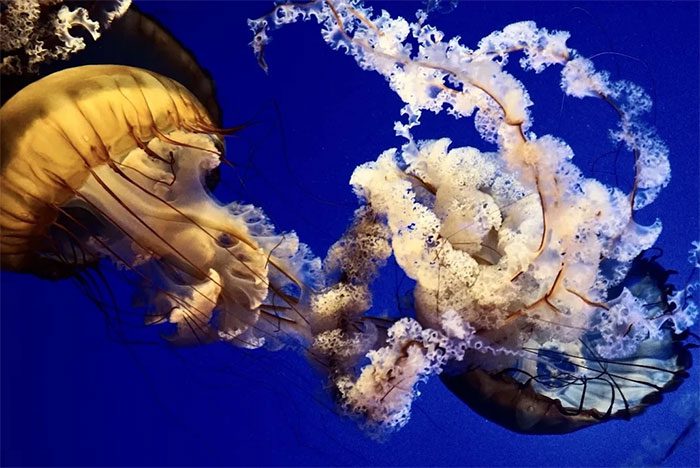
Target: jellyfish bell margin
point(111, 161)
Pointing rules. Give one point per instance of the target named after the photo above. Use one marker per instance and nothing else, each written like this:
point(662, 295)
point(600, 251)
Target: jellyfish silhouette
point(110, 161)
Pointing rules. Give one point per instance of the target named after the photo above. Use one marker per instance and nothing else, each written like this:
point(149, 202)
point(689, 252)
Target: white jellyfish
point(525, 298)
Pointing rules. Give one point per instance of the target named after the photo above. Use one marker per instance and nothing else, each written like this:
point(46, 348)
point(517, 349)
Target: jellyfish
point(40, 38)
point(529, 301)
point(37, 32)
point(107, 161)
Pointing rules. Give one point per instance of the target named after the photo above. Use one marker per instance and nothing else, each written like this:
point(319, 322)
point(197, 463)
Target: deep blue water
point(74, 392)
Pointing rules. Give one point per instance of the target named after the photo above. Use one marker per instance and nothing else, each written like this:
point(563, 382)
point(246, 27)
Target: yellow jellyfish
point(110, 161)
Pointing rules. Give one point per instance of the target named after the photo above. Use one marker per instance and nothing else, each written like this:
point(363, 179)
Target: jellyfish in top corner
point(35, 32)
point(108, 161)
point(42, 37)
point(533, 300)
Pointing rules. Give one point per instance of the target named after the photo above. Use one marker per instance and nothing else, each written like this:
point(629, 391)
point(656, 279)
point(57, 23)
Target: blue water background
point(74, 392)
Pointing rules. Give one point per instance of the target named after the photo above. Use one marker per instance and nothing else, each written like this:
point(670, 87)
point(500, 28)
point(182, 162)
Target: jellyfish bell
point(569, 387)
point(551, 403)
point(110, 161)
point(52, 140)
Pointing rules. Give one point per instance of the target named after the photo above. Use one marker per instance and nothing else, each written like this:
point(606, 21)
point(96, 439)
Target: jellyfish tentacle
point(201, 222)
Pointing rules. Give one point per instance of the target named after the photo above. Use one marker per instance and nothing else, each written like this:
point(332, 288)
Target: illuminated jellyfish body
point(523, 300)
point(111, 161)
